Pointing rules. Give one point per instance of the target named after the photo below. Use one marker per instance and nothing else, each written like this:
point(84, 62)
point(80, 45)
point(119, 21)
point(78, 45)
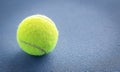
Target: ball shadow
point(22, 62)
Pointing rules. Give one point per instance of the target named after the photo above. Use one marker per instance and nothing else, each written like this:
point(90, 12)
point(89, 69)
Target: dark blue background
point(89, 36)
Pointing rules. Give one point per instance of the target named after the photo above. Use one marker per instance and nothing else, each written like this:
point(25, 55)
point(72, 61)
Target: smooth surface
point(89, 36)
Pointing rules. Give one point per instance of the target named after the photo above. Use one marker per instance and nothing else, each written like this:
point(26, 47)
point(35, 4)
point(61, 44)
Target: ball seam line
point(35, 46)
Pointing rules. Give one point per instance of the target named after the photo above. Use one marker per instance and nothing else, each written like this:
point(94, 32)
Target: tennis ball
point(37, 35)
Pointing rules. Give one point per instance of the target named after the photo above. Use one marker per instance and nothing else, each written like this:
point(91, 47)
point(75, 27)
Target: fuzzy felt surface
point(37, 35)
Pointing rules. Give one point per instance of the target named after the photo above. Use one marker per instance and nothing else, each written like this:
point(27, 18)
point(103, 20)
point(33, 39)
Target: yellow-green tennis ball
point(37, 35)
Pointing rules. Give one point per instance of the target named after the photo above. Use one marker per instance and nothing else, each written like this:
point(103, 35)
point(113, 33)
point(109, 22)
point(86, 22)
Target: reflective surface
point(89, 36)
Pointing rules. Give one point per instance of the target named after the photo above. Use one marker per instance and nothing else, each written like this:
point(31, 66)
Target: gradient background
point(89, 39)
